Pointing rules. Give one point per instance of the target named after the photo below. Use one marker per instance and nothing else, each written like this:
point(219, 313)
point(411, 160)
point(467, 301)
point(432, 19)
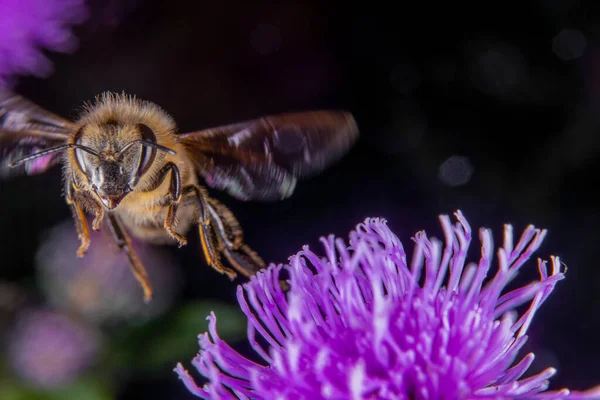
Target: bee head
point(120, 156)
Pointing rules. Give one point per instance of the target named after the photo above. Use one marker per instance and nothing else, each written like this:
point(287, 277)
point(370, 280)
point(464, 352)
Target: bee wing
point(26, 128)
point(262, 159)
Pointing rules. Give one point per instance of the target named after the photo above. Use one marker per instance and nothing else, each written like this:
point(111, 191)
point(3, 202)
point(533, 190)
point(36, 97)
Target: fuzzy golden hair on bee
point(127, 110)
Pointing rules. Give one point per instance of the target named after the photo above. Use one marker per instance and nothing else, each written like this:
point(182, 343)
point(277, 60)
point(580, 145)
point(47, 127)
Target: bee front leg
point(76, 200)
point(208, 235)
point(83, 231)
point(122, 240)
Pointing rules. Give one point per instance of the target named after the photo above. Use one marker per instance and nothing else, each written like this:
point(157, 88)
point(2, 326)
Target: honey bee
point(124, 163)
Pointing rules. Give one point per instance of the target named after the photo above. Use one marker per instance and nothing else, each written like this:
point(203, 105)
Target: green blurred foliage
point(83, 389)
point(162, 342)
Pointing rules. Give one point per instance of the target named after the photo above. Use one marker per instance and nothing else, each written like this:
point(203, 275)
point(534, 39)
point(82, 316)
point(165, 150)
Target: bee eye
point(80, 160)
point(147, 153)
point(78, 153)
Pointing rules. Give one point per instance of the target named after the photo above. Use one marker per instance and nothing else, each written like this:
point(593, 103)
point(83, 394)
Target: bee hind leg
point(208, 237)
point(230, 240)
point(122, 240)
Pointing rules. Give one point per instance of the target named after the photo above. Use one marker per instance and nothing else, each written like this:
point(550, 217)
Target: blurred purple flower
point(29, 26)
point(49, 349)
point(369, 325)
point(100, 286)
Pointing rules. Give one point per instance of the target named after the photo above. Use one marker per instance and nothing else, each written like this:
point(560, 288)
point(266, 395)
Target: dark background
point(496, 83)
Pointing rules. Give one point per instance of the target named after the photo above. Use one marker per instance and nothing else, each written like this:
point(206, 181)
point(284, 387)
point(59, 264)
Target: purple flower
point(49, 349)
point(29, 26)
point(363, 323)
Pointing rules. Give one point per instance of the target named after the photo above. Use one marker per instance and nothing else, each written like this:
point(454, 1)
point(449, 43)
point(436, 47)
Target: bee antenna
point(51, 150)
point(149, 144)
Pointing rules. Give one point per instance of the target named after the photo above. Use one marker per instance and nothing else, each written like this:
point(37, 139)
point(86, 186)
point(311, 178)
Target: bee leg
point(227, 225)
point(169, 225)
point(98, 217)
point(83, 231)
point(122, 240)
point(208, 237)
point(231, 242)
point(174, 198)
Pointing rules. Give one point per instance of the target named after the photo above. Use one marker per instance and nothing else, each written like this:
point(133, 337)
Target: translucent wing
point(26, 128)
point(262, 159)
